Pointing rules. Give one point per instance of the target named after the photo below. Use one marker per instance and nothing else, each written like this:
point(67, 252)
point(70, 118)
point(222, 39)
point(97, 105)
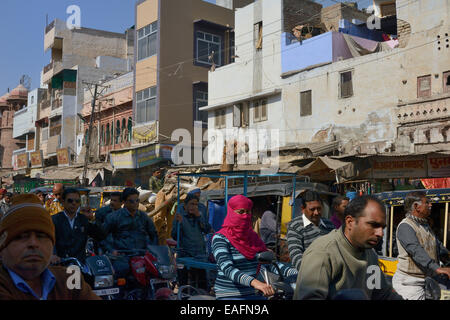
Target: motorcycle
point(98, 273)
point(283, 287)
point(151, 269)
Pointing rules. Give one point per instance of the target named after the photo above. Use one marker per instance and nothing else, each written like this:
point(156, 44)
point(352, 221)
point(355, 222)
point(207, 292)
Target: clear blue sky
point(22, 24)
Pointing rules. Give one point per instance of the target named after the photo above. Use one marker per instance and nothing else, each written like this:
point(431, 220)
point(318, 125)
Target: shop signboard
point(438, 166)
point(399, 167)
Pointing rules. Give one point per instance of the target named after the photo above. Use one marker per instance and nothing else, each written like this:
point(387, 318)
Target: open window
point(220, 116)
point(258, 35)
point(446, 82)
point(260, 110)
point(346, 84)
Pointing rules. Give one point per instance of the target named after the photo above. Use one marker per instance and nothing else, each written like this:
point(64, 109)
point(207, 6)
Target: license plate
point(156, 281)
point(104, 292)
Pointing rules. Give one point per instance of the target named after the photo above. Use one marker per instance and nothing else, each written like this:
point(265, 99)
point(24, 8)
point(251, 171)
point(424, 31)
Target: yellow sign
point(36, 159)
point(63, 157)
point(146, 133)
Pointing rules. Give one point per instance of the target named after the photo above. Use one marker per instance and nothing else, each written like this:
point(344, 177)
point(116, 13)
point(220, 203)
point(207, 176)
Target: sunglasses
point(242, 211)
point(133, 201)
point(73, 200)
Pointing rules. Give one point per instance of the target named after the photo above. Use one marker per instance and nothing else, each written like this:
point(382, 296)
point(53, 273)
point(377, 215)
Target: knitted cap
point(25, 214)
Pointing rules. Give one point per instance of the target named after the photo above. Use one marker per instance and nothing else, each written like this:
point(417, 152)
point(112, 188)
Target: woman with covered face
point(235, 247)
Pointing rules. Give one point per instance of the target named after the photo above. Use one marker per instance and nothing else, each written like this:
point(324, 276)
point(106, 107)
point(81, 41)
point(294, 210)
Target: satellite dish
point(25, 80)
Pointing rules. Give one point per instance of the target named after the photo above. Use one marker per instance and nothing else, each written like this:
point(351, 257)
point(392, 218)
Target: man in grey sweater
point(345, 259)
point(419, 249)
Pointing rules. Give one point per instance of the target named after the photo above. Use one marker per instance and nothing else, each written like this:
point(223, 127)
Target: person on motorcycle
point(344, 258)
point(130, 229)
point(306, 228)
point(72, 228)
point(115, 204)
point(27, 237)
point(193, 227)
point(419, 249)
point(234, 247)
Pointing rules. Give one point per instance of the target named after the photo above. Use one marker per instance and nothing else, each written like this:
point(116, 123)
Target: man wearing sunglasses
point(303, 230)
point(128, 229)
point(72, 229)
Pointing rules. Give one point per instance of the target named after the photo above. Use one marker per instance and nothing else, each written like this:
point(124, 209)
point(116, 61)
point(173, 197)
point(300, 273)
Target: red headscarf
point(238, 228)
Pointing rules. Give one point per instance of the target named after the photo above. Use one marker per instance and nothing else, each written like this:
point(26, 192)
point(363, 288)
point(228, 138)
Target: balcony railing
point(49, 27)
point(57, 103)
point(48, 67)
point(45, 104)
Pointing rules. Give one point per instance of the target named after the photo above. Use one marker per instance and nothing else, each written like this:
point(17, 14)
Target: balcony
point(24, 121)
point(56, 104)
point(50, 27)
point(424, 109)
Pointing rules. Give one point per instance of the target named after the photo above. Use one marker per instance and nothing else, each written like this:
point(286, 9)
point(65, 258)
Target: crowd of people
point(327, 256)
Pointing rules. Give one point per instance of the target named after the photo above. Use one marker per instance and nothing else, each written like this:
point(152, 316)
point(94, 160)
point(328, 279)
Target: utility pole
point(88, 144)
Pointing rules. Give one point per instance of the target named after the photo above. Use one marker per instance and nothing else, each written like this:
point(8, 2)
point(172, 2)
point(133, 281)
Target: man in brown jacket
point(27, 237)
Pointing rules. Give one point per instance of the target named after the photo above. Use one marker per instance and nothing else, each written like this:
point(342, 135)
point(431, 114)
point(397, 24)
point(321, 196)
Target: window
point(146, 105)
point(207, 43)
point(346, 84)
point(240, 115)
point(117, 132)
point(447, 82)
point(424, 86)
point(130, 127)
point(201, 100)
point(111, 140)
point(220, 118)
point(102, 135)
point(86, 137)
point(107, 135)
point(260, 110)
point(258, 35)
point(147, 41)
point(388, 9)
point(55, 126)
point(123, 137)
point(306, 103)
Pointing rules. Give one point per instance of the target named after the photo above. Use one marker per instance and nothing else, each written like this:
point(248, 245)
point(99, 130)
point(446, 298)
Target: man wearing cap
point(27, 237)
point(56, 206)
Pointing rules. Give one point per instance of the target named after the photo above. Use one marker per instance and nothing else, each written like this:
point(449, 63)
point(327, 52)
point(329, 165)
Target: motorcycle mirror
point(265, 257)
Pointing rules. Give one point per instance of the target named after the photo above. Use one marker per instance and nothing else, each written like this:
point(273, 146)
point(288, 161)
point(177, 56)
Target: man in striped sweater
point(303, 230)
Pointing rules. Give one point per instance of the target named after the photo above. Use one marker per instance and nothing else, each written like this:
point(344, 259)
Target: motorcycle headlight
point(103, 281)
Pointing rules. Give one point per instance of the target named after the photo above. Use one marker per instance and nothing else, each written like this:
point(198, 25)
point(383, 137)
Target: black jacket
point(72, 242)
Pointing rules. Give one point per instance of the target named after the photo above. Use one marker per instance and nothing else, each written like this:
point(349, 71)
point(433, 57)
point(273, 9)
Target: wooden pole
point(446, 224)
point(390, 232)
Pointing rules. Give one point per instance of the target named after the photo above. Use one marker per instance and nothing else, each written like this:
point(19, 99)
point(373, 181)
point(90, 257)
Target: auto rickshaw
point(284, 187)
point(394, 201)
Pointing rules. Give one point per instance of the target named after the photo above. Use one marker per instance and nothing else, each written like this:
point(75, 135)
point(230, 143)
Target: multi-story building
point(112, 123)
point(24, 129)
point(79, 56)
point(354, 89)
point(174, 50)
point(10, 103)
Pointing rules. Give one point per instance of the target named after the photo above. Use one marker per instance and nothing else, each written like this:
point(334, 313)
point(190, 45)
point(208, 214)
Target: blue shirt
point(47, 280)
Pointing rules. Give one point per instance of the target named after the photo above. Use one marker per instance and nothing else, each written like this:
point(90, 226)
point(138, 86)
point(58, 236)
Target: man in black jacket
point(72, 229)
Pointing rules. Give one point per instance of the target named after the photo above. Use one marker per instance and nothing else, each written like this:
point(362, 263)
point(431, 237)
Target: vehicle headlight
point(103, 281)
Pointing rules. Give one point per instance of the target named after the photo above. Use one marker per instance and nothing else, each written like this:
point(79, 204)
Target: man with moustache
point(420, 251)
point(345, 259)
point(27, 237)
point(303, 230)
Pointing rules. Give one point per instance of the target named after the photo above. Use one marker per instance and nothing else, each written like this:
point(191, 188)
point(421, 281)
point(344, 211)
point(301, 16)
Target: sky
point(22, 24)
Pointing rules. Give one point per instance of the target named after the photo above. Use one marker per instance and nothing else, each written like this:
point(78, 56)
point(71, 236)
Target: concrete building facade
point(174, 51)
point(79, 56)
point(339, 86)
